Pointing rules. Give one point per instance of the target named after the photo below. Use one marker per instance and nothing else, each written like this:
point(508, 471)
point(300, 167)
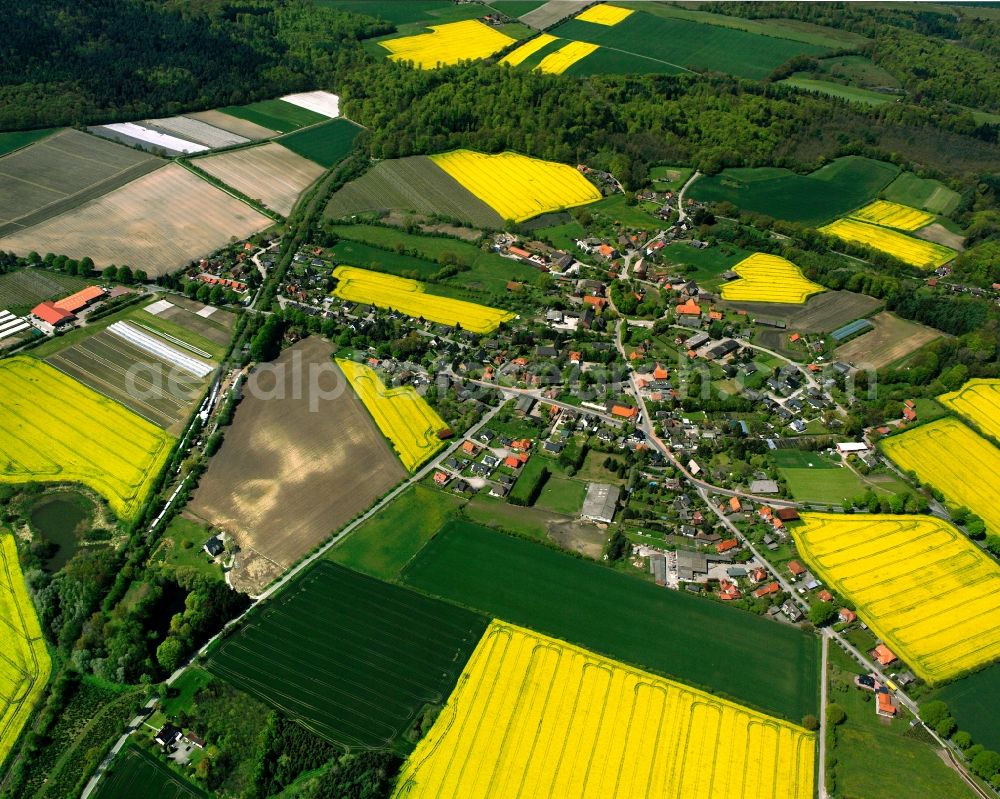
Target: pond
point(61, 519)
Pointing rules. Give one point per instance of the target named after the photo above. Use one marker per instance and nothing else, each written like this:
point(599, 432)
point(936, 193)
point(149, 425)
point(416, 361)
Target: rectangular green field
point(760, 663)
point(275, 114)
point(22, 138)
point(853, 94)
point(385, 543)
point(829, 192)
point(690, 45)
point(974, 702)
point(353, 659)
point(135, 772)
point(356, 253)
point(930, 195)
point(325, 144)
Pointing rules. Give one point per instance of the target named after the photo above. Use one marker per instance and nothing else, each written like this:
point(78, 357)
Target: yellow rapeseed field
point(954, 459)
point(887, 214)
point(930, 593)
point(24, 660)
point(979, 402)
point(769, 278)
point(408, 296)
point(403, 416)
point(924, 254)
point(448, 44)
point(58, 430)
point(535, 717)
point(604, 14)
point(515, 57)
point(515, 186)
point(562, 59)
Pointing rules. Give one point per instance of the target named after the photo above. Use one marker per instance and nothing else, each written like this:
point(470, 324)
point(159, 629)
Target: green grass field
point(854, 94)
point(761, 663)
point(352, 658)
point(355, 253)
point(974, 702)
point(708, 263)
point(562, 236)
point(275, 114)
point(488, 271)
point(607, 61)
point(669, 178)
point(135, 772)
point(182, 548)
point(857, 70)
point(616, 209)
point(828, 193)
point(326, 144)
point(813, 477)
point(22, 138)
point(384, 544)
point(930, 195)
point(562, 495)
point(689, 44)
point(781, 28)
point(875, 757)
point(397, 11)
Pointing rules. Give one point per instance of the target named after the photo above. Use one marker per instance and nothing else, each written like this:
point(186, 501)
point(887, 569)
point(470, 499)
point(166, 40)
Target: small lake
point(61, 518)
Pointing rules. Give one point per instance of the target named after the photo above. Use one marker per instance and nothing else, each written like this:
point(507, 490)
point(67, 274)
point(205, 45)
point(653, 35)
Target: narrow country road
point(824, 677)
point(283, 581)
point(681, 213)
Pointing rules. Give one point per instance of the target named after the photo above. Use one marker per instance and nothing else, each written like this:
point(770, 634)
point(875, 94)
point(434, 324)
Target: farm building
point(601, 502)
point(84, 298)
point(48, 317)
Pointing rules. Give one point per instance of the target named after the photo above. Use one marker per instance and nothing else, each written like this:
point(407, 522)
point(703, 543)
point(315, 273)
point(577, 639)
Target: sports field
point(933, 596)
point(24, 659)
point(930, 195)
point(61, 172)
point(894, 215)
point(960, 464)
point(403, 416)
point(916, 252)
point(135, 772)
point(410, 297)
point(269, 173)
point(412, 184)
point(448, 44)
point(769, 278)
point(158, 223)
point(58, 430)
point(560, 60)
point(831, 191)
point(515, 186)
point(324, 144)
point(979, 402)
point(688, 44)
point(353, 659)
point(288, 473)
point(533, 716)
point(720, 649)
point(893, 338)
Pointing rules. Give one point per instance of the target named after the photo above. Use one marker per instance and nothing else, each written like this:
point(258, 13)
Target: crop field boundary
point(928, 571)
point(540, 717)
point(360, 679)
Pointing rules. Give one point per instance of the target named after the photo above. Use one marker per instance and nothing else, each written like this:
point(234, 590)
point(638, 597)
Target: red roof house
point(512, 462)
point(728, 544)
point(847, 615)
point(825, 596)
point(659, 373)
point(77, 302)
point(624, 412)
point(883, 655)
point(49, 313)
point(767, 590)
point(689, 308)
point(796, 568)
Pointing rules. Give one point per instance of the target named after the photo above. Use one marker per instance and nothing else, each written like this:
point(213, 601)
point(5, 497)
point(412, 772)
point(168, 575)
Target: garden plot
point(270, 173)
point(159, 223)
point(197, 131)
point(62, 172)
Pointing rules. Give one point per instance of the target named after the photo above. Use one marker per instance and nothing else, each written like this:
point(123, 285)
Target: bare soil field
point(551, 12)
point(158, 223)
point(270, 173)
point(62, 172)
point(142, 383)
point(939, 234)
point(893, 338)
point(821, 313)
point(241, 127)
point(412, 184)
point(287, 477)
point(216, 327)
